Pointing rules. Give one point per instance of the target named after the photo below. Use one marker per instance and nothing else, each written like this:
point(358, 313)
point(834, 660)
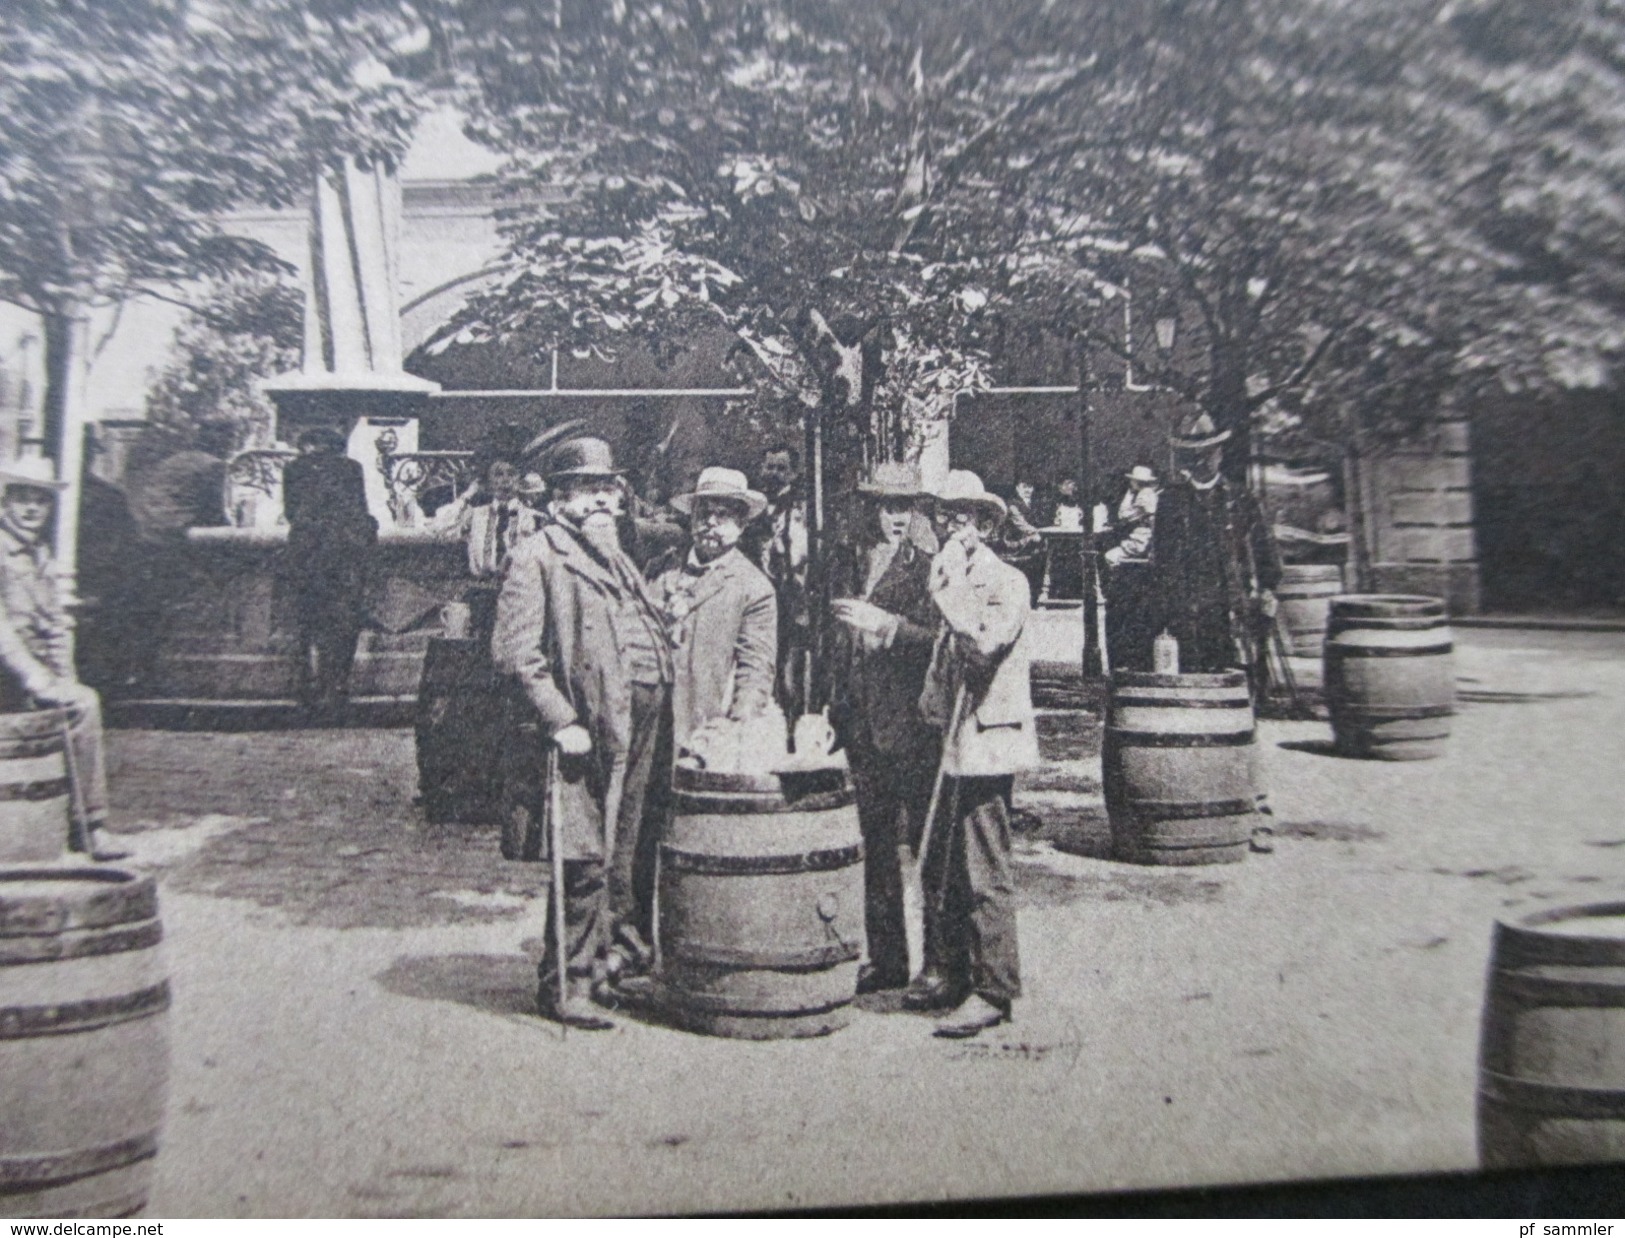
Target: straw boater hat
point(1141, 473)
point(962, 486)
point(893, 480)
point(35, 471)
point(1199, 435)
point(583, 457)
point(718, 483)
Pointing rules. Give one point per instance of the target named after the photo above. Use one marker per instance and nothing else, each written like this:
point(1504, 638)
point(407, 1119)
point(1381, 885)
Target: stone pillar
point(1421, 513)
point(351, 367)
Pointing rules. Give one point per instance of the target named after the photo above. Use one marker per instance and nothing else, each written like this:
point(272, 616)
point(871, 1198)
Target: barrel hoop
point(40, 789)
point(1166, 739)
point(22, 749)
point(1191, 810)
point(23, 1022)
point(1524, 942)
point(707, 1003)
point(1388, 713)
point(810, 958)
point(714, 804)
point(1388, 651)
point(1168, 702)
point(1577, 990)
point(1553, 1100)
point(57, 1167)
point(676, 860)
point(53, 949)
point(107, 897)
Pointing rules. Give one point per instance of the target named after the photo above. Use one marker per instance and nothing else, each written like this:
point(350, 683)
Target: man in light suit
point(977, 693)
point(720, 609)
point(577, 629)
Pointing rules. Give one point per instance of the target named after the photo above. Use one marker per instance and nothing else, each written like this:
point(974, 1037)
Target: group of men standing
point(619, 668)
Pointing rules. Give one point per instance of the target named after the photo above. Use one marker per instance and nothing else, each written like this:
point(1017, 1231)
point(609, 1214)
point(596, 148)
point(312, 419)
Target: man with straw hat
point(721, 610)
point(1132, 622)
point(887, 623)
point(1214, 563)
point(34, 636)
point(578, 630)
point(977, 693)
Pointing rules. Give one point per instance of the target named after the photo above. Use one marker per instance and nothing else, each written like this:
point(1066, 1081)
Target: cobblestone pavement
point(353, 1028)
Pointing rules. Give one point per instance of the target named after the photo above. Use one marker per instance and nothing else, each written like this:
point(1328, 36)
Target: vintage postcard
point(670, 606)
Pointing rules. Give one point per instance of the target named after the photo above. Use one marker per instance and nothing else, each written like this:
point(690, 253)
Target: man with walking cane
point(34, 629)
point(977, 693)
point(576, 627)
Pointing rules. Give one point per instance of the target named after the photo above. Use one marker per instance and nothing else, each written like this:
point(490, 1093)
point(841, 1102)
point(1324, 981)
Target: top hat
point(1199, 435)
point(35, 471)
point(583, 457)
point(962, 486)
point(893, 479)
point(719, 483)
point(1141, 473)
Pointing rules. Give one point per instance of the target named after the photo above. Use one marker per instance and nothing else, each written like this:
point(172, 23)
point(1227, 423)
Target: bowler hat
point(35, 471)
point(962, 486)
point(893, 479)
point(719, 483)
point(1141, 473)
point(583, 457)
point(1199, 435)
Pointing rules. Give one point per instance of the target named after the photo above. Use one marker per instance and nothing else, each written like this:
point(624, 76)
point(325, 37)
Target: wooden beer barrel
point(759, 920)
point(1551, 1082)
point(84, 1041)
point(33, 787)
point(1177, 766)
point(1305, 594)
point(1390, 676)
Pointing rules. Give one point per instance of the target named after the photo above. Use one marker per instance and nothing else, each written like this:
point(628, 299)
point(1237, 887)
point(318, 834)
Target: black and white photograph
point(670, 607)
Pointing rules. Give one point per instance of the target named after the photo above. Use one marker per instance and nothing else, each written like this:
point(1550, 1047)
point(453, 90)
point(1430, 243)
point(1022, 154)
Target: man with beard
point(888, 622)
point(577, 628)
point(977, 693)
point(720, 609)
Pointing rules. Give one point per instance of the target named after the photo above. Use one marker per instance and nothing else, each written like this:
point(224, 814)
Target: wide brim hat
point(35, 471)
point(726, 484)
point(583, 457)
point(1198, 435)
point(964, 487)
point(893, 480)
point(1140, 473)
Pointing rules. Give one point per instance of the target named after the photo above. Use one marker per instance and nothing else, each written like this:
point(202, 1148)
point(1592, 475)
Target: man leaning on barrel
point(578, 629)
point(977, 693)
point(34, 643)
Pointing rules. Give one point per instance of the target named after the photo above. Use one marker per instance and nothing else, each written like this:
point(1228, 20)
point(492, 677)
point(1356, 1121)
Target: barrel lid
point(1387, 606)
point(46, 900)
point(1311, 571)
point(1588, 935)
point(1149, 679)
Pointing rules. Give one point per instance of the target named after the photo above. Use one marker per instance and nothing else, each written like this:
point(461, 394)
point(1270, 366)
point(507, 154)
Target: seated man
point(34, 635)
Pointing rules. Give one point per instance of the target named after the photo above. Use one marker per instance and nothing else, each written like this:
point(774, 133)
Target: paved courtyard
point(353, 1027)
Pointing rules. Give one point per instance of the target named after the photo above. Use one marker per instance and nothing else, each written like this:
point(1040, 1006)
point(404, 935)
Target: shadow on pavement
point(495, 983)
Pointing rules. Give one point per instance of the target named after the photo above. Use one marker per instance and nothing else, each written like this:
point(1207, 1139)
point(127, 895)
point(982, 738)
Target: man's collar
point(17, 542)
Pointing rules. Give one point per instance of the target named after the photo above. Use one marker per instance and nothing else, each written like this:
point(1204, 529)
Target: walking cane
point(78, 827)
point(926, 835)
point(555, 852)
point(1286, 667)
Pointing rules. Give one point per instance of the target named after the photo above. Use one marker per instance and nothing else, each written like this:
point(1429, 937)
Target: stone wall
point(1420, 506)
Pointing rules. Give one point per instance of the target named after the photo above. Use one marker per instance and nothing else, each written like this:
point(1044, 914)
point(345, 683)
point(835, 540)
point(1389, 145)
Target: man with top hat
point(1215, 565)
point(720, 609)
point(34, 642)
point(977, 694)
point(578, 630)
point(1131, 617)
point(887, 625)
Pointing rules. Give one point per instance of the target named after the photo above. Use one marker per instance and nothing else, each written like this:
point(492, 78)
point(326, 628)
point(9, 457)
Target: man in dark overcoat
point(331, 536)
point(1214, 562)
point(578, 630)
point(887, 624)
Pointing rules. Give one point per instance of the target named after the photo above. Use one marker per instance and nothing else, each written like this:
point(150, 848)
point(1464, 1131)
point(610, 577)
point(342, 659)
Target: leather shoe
point(930, 990)
point(872, 979)
point(975, 1014)
point(575, 1012)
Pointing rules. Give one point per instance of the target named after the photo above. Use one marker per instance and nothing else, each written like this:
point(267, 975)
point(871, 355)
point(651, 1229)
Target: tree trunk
point(1227, 400)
